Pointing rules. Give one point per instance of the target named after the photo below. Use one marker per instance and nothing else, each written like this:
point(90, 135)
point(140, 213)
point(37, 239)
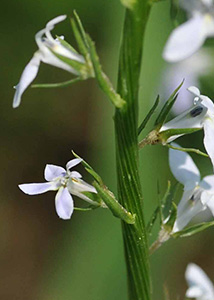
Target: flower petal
point(37, 188)
point(207, 183)
point(209, 138)
point(185, 40)
point(77, 187)
point(73, 163)
point(191, 118)
point(196, 277)
point(27, 77)
point(183, 168)
point(75, 174)
point(52, 172)
point(64, 204)
point(187, 209)
point(208, 200)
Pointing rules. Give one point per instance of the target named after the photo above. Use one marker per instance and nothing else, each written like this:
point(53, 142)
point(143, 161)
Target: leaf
point(168, 226)
point(166, 134)
point(102, 79)
point(189, 231)
point(150, 113)
point(167, 106)
point(168, 199)
point(152, 220)
point(79, 34)
point(89, 169)
point(111, 202)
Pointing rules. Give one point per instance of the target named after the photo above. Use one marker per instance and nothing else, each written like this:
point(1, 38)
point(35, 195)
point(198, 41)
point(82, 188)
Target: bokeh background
point(41, 256)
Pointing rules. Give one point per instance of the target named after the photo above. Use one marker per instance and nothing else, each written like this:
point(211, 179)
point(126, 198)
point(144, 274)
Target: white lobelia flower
point(65, 183)
point(198, 194)
point(200, 115)
point(191, 70)
point(190, 36)
point(45, 55)
point(200, 286)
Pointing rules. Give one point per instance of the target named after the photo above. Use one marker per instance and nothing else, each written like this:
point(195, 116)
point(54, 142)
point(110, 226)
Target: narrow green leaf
point(102, 79)
point(56, 85)
point(193, 229)
point(152, 220)
point(187, 150)
point(165, 135)
point(116, 208)
point(89, 169)
point(150, 113)
point(168, 199)
point(168, 226)
point(167, 106)
point(81, 28)
point(81, 41)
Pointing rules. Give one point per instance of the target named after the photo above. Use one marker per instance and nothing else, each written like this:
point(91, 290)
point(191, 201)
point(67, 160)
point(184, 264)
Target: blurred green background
point(43, 257)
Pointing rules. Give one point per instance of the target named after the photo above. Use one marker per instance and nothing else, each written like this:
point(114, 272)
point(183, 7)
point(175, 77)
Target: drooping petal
point(75, 174)
point(71, 163)
point(64, 204)
point(27, 77)
point(183, 168)
point(185, 40)
point(209, 138)
point(37, 188)
point(51, 172)
point(77, 187)
point(208, 200)
point(198, 281)
point(188, 208)
point(207, 183)
point(194, 90)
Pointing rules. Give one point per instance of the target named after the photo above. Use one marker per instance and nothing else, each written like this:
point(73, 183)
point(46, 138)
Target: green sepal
point(111, 202)
point(148, 116)
point(79, 34)
point(81, 68)
point(94, 197)
point(92, 207)
point(89, 169)
point(166, 134)
point(66, 45)
point(101, 77)
point(168, 226)
point(197, 151)
point(189, 231)
point(168, 198)
point(167, 107)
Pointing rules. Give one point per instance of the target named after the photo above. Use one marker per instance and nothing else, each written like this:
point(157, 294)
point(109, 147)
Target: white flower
point(200, 286)
point(198, 194)
point(45, 55)
point(191, 70)
point(201, 115)
point(190, 36)
point(65, 183)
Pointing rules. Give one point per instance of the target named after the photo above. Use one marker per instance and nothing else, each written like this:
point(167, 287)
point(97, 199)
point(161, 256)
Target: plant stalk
point(126, 129)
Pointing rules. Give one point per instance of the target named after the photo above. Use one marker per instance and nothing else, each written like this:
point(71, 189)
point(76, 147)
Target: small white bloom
point(190, 36)
point(45, 55)
point(200, 115)
point(191, 70)
point(200, 286)
point(65, 183)
point(198, 194)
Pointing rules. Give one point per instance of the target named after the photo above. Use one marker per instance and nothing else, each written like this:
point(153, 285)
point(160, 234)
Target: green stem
point(126, 128)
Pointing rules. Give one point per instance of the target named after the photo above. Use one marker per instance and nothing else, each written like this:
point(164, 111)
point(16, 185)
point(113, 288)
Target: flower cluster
point(66, 183)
